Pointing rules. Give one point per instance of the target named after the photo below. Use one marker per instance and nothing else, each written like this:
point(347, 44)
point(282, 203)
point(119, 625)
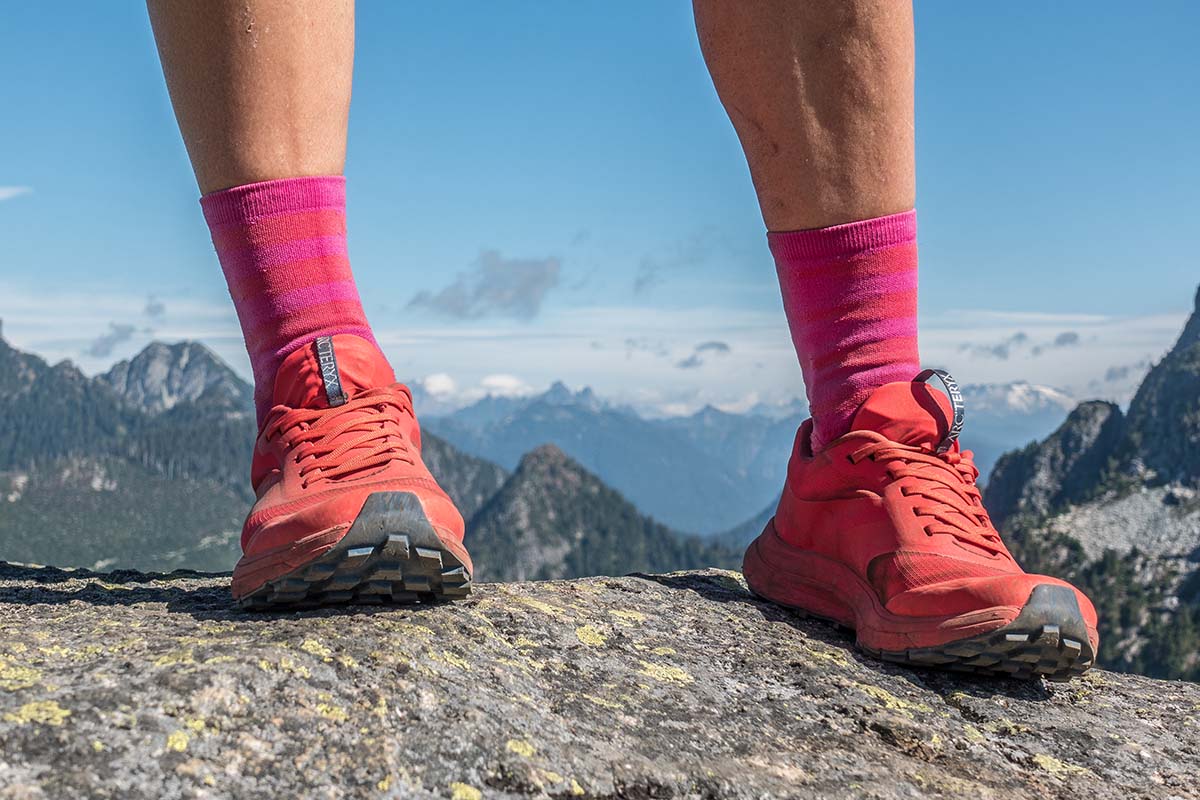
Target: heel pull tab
point(956, 404)
point(331, 376)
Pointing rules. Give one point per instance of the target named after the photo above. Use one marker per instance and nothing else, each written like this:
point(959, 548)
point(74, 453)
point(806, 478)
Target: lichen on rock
point(680, 685)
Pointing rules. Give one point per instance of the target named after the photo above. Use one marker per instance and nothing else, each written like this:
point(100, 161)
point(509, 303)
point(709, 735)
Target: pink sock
point(850, 293)
point(282, 246)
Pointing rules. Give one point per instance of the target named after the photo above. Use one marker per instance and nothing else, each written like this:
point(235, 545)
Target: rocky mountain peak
point(559, 394)
point(163, 375)
point(546, 456)
point(1191, 331)
point(67, 372)
point(710, 414)
point(548, 469)
point(553, 519)
point(18, 370)
point(1067, 467)
point(1163, 432)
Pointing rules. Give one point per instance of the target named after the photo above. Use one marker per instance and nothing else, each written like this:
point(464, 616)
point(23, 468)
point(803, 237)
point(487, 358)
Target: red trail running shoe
point(346, 510)
point(884, 532)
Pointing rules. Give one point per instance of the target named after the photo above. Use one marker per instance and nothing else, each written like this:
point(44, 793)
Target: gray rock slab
point(672, 686)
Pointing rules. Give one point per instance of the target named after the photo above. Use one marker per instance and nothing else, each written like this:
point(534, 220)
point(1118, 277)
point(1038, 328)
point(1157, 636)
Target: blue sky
point(584, 149)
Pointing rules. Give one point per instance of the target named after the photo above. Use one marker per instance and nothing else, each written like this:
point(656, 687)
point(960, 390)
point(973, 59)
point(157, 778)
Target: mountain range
point(712, 470)
point(175, 423)
point(701, 473)
point(146, 466)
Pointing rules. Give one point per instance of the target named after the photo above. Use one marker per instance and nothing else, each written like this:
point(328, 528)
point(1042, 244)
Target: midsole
point(809, 581)
point(251, 574)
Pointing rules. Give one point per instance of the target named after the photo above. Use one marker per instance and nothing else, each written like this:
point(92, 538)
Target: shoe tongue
point(909, 412)
point(329, 371)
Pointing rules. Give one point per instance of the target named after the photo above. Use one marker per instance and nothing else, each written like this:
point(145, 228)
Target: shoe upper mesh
point(895, 573)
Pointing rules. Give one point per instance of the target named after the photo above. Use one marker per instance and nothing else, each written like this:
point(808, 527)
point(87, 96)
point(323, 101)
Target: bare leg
point(261, 88)
point(821, 95)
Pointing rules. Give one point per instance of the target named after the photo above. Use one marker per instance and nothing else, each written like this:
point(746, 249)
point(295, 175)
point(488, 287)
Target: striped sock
point(282, 246)
point(850, 294)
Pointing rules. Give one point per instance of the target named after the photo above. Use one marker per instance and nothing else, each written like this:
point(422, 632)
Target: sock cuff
point(839, 241)
point(253, 201)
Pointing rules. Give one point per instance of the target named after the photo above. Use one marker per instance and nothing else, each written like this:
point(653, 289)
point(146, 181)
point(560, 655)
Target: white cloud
point(593, 347)
point(1079, 362)
point(676, 409)
point(589, 347)
point(104, 344)
point(440, 393)
point(600, 346)
point(155, 308)
point(741, 404)
point(975, 317)
point(497, 286)
point(505, 386)
point(439, 384)
point(9, 192)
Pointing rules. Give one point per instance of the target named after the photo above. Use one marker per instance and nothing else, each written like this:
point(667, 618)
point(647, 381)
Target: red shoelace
point(362, 434)
point(947, 482)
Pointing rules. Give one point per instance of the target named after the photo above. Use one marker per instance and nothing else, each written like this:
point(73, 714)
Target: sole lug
point(397, 546)
point(319, 572)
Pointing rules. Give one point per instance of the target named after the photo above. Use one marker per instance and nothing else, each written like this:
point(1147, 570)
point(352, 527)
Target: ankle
point(282, 247)
point(850, 294)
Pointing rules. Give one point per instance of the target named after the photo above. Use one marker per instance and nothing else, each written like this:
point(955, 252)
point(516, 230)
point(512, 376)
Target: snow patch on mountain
point(1017, 397)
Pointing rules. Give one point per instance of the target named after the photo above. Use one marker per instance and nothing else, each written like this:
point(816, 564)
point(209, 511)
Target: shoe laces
point(361, 434)
point(946, 482)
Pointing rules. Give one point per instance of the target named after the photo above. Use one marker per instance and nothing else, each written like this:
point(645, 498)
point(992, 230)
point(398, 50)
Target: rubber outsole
point(391, 554)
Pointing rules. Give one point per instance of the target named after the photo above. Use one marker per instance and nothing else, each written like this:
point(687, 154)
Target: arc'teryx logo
point(331, 377)
point(957, 405)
